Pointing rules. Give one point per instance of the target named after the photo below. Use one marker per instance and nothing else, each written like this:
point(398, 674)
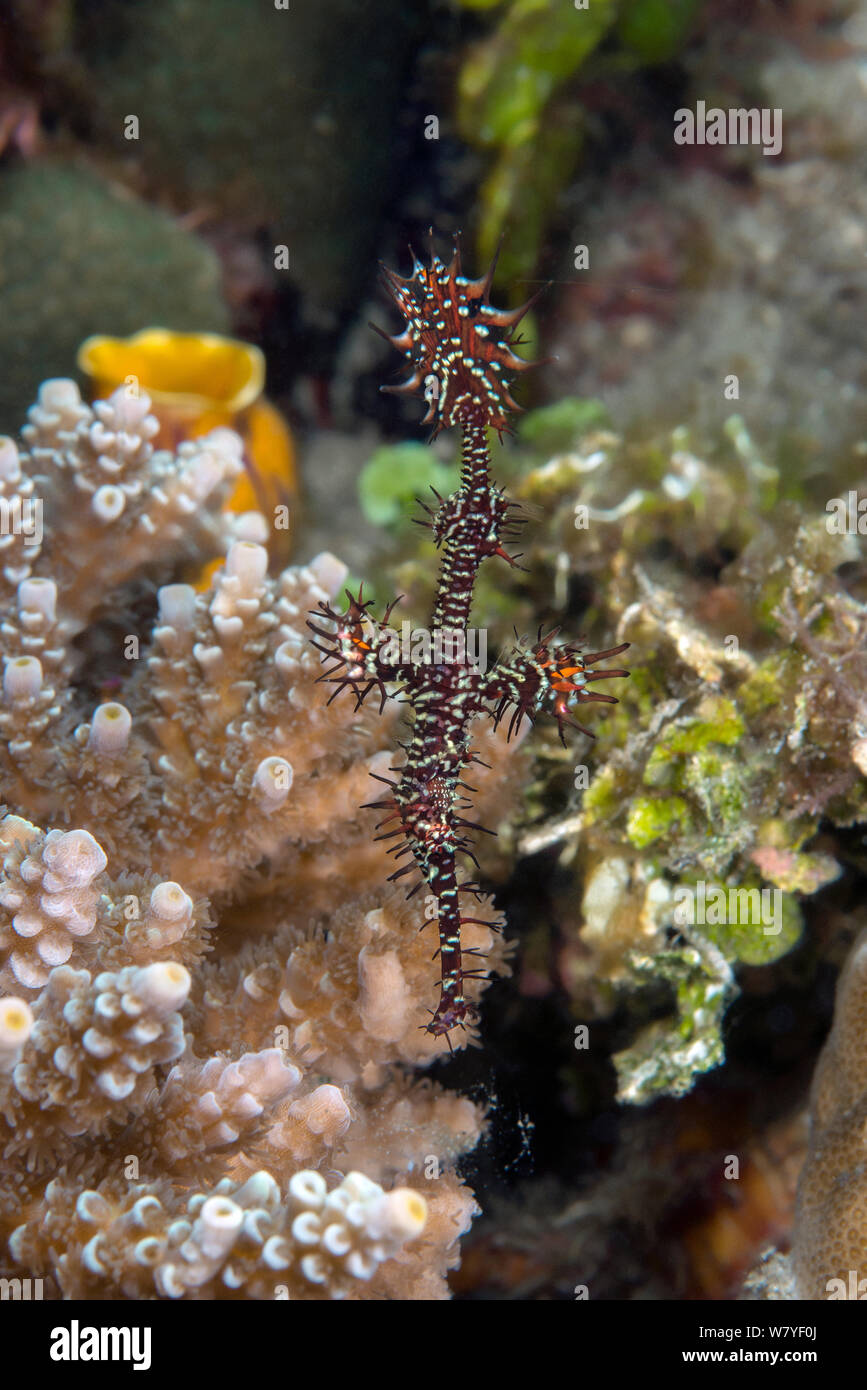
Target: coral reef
point(239, 78)
point(660, 1219)
point(218, 1074)
point(210, 1008)
point(829, 1240)
point(527, 93)
point(739, 737)
point(711, 262)
point(82, 256)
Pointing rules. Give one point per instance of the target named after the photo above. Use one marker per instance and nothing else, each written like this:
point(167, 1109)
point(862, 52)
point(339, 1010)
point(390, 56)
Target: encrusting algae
point(686, 838)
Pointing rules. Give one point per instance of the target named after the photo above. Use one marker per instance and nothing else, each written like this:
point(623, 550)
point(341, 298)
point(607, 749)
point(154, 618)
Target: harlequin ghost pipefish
point(460, 351)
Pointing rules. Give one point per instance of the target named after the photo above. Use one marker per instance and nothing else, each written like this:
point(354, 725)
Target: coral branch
point(210, 1001)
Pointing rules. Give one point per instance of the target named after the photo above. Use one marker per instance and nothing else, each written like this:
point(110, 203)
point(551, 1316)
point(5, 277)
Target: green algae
point(395, 476)
point(750, 939)
point(655, 30)
point(519, 100)
point(724, 757)
point(603, 797)
point(554, 427)
point(670, 1053)
point(507, 105)
point(652, 818)
point(765, 687)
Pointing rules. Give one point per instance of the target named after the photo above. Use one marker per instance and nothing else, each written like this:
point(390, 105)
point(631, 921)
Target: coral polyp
point(211, 1004)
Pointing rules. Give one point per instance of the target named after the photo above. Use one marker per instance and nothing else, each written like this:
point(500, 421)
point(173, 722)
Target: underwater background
point(195, 194)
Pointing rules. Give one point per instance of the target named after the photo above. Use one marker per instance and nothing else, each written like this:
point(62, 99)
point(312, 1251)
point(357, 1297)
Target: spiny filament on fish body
point(460, 351)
